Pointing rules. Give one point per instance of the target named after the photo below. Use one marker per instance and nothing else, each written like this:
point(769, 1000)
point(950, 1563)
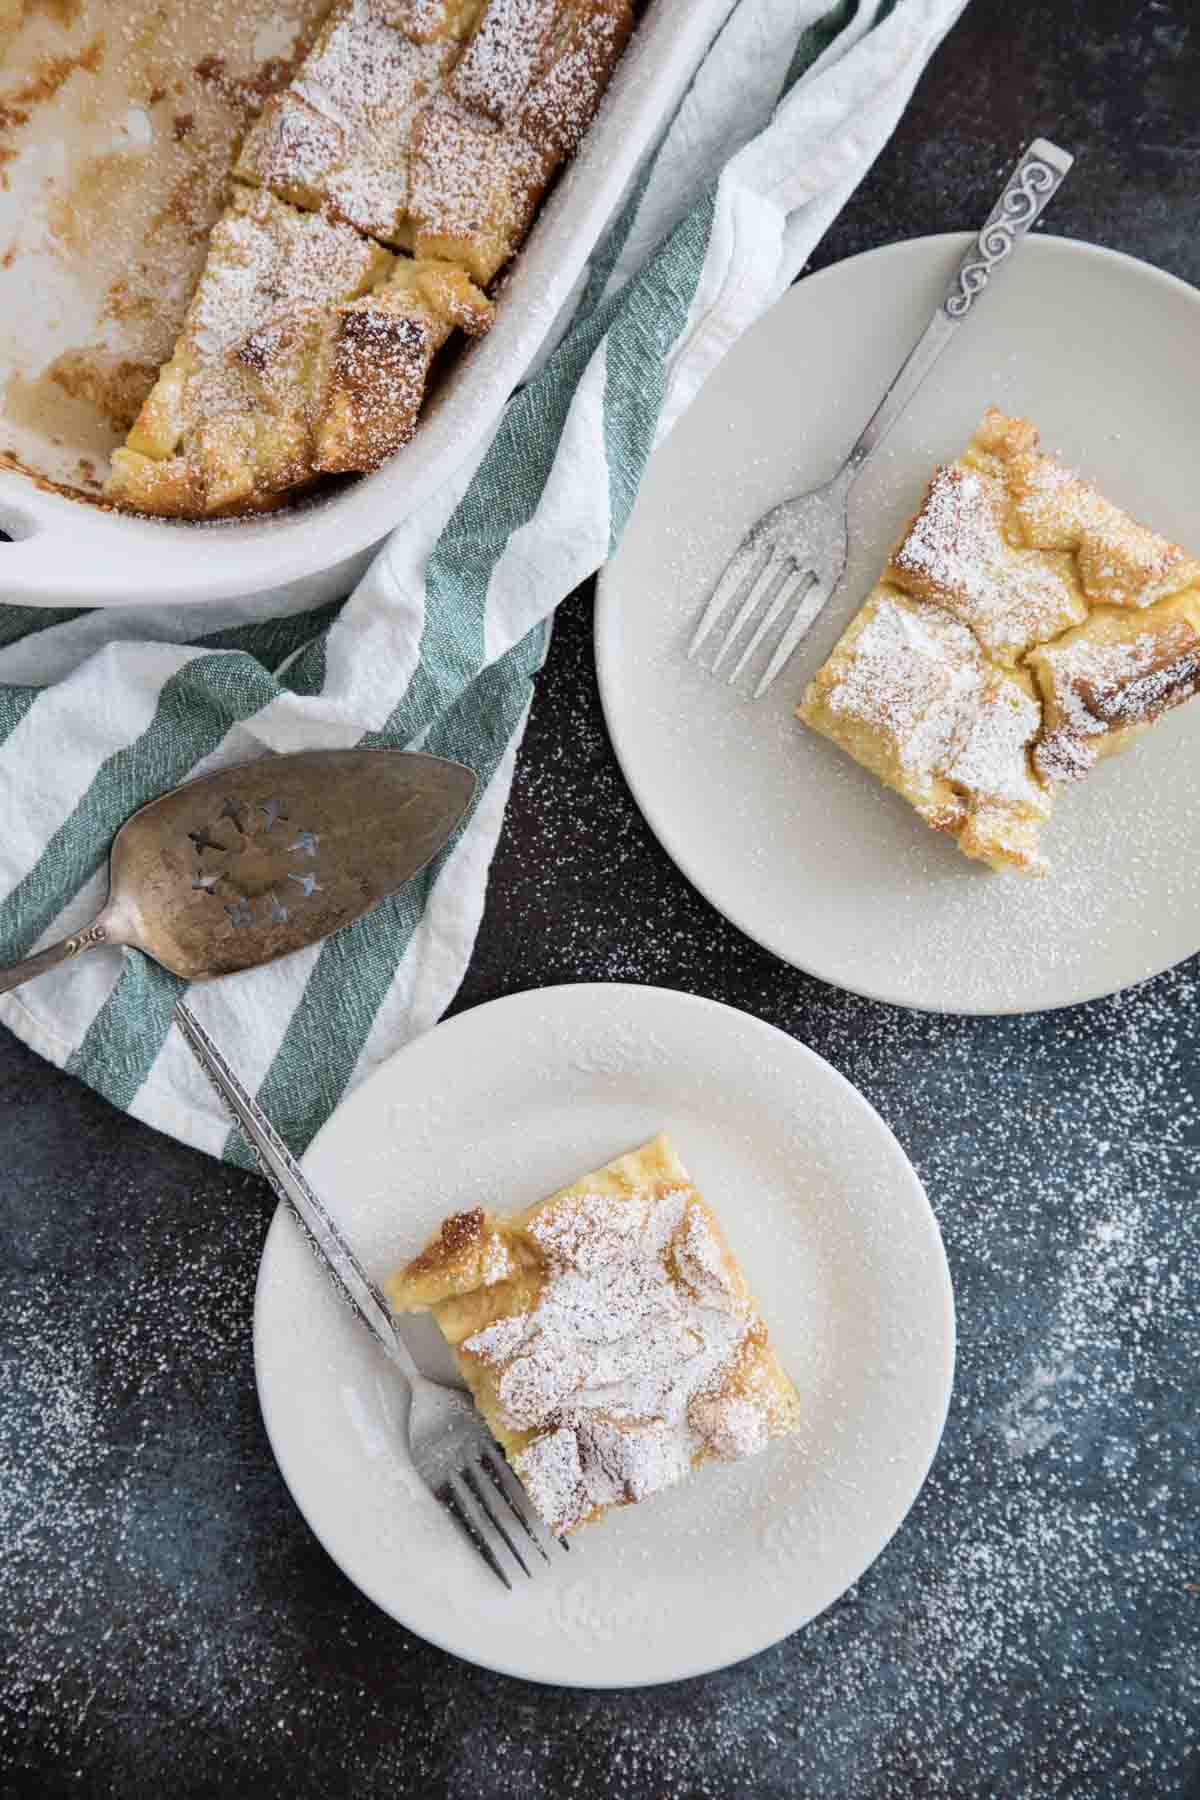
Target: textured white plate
point(501, 1106)
point(783, 832)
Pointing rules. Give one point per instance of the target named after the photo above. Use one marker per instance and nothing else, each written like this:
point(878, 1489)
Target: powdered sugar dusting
point(540, 66)
point(342, 129)
point(993, 758)
point(626, 1368)
point(114, 182)
point(1032, 1629)
point(273, 278)
point(269, 263)
point(361, 70)
point(1101, 686)
point(956, 554)
point(916, 674)
point(1034, 1599)
point(473, 181)
point(497, 65)
point(1014, 547)
point(1121, 562)
point(497, 1261)
point(566, 89)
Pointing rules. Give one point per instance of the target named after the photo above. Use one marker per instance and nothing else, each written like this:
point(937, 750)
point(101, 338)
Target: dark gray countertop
point(167, 1622)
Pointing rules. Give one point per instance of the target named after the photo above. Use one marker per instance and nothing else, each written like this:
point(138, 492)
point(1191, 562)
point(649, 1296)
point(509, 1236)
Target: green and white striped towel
point(439, 644)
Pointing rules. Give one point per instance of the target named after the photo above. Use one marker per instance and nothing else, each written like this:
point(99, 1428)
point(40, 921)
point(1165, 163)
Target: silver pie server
point(247, 865)
point(236, 869)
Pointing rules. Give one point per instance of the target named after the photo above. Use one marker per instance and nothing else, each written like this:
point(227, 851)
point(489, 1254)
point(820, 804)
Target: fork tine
point(467, 1476)
point(488, 1465)
point(742, 566)
point(447, 1493)
point(785, 592)
point(511, 1490)
point(806, 611)
point(772, 573)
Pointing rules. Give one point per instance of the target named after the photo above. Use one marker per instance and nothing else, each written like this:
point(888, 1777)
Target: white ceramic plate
point(783, 832)
point(499, 1107)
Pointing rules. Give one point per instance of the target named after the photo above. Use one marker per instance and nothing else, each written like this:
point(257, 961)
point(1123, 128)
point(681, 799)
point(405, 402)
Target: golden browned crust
point(574, 67)
point(373, 384)
point(424, 20)
point(375, 360)
point(475, 187)
point(381, 137)
point(270, 385)
point(460, 1233)
point(291, 149)
point(956, 552)
point(338, 135)
point(909, 694)
point(229, 423)
point(173, 489)
point(1111, 678)
point(521, 1298)
point(1071, 617)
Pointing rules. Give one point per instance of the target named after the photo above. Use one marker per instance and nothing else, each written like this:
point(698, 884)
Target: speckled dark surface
point(167, 1622)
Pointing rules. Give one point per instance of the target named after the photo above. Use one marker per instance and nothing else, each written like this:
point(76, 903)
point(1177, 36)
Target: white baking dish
point(67, 552)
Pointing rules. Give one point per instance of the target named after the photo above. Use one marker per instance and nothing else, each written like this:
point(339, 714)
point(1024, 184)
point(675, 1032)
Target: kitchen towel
point(438, 646)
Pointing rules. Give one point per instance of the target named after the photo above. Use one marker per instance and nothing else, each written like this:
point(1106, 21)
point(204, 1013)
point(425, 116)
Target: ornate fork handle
point(289, 1181)
point(1029, 189)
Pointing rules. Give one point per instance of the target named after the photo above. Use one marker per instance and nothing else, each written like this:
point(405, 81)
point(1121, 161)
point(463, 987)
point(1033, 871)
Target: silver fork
point(794, 556)
point(452, 1450)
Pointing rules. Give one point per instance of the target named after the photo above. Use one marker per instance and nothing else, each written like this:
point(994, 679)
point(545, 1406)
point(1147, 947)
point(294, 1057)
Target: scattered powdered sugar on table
point(1032, 1631)
point(117, 1551)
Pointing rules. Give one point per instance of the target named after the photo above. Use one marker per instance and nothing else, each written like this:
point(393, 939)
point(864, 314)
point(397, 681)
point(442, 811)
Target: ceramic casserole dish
point(117, 126)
